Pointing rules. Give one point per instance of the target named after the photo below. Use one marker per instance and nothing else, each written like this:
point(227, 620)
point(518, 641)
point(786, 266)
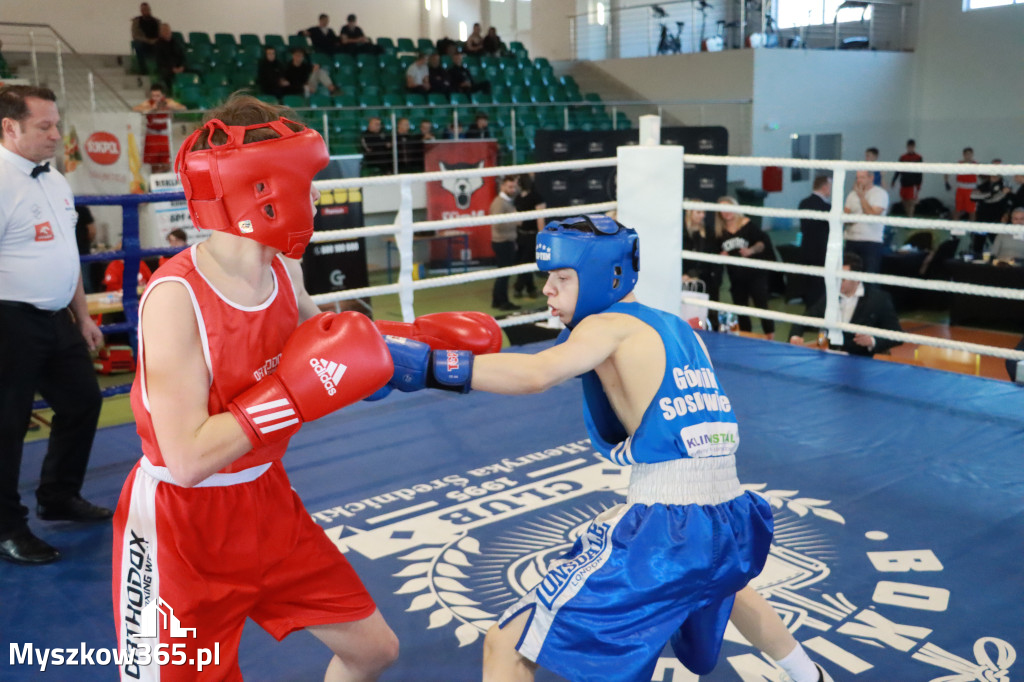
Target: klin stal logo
point(103, 148)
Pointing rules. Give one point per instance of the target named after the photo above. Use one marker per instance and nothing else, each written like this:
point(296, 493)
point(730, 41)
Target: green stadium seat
point(437, 99)
point(190, 95)
point(199, 38)
point(223, 39)
point(249, 54)
point(369, 99)
point(415, 99)
point(459, 98)
point(178, 37)
point(216, 78)
point(269, 99)
point(367, 62)
point(275, 41)
point(500, 92)
point(389, 99)
point(321, 101)
point(346, 100)
point(243, 78)
point(516, 47)
point(249, 39)
point(185, 79)
point(296, 40)
point(324, 61)
point(344, 61)
point(386, 44)
point(425, 45)
point(405, 45)
point(294, 101)
point(519, 94)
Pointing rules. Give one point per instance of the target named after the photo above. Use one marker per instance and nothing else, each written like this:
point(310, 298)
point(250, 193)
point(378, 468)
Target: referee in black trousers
point(45, 329)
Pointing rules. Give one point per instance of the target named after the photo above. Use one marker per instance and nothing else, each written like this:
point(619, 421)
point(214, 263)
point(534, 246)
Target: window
point(983, 4)
point(794, 13)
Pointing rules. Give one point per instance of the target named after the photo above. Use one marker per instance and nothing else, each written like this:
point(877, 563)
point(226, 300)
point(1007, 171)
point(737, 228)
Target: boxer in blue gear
point(666, 565)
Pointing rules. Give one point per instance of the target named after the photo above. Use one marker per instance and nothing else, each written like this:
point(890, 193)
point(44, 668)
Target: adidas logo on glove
point(330, 373)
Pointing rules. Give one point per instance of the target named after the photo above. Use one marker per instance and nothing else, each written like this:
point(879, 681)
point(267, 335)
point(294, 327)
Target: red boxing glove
point(329, 361)
point(474, 331)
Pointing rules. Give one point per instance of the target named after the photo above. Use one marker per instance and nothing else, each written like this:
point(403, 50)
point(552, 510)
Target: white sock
point(799, 666)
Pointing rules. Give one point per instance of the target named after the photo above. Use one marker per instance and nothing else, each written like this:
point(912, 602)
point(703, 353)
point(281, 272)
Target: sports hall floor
point(898, 491)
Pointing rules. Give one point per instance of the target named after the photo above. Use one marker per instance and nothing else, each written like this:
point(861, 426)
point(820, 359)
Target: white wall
point(862, 95)
point(969, 85)
point(549, 29)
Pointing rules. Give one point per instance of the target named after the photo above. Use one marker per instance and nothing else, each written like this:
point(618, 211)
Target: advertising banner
point(461, 196)
point(595, 185)
point(102, 154)
point(336, 265)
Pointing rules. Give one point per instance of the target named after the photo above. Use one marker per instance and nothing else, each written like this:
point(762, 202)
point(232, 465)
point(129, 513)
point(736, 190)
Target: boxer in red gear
point(469, 330)
point(208, 531)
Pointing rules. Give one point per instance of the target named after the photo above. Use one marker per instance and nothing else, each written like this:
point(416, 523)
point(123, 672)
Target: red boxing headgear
point(258, 190)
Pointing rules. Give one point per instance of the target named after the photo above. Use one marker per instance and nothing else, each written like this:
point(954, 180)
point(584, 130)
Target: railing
point(42, 44)
point(687, 26)
point(734, 114)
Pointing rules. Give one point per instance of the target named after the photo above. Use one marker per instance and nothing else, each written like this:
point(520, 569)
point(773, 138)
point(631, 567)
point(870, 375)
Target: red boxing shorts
point(909, 192)
point(963, 200)
point(191, 564)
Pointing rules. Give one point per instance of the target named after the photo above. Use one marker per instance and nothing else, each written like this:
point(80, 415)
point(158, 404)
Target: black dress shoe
point(74, 509)
point(25, 548)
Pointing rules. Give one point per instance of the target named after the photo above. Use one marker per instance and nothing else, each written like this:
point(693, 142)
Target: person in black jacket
point(859, 304)
point(461, 80)
point(814, 236)
point(738, 236)
point(697, 237)
point(322, 36)
point(270, 74)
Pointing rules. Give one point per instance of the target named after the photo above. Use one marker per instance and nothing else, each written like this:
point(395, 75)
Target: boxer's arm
point(592, 342)
point(307, 308)
point(194, 443)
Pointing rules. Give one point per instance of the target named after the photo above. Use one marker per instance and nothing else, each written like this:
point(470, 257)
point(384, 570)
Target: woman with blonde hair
point(739, 236)
point(696, 237)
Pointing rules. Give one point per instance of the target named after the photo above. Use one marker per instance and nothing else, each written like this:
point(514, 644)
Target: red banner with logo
point(457, 197)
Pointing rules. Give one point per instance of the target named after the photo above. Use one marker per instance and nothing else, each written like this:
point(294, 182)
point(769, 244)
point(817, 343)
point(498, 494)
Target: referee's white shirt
point(38, 252)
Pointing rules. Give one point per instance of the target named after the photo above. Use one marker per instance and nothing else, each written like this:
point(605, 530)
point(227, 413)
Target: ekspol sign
point(103, 148)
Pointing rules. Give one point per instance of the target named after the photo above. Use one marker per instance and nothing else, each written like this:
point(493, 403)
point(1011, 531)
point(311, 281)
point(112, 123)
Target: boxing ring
point(898, 493)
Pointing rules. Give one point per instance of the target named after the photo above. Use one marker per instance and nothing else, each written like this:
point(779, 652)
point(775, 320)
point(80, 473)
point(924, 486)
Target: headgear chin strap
point(606, 259)
point(258, 190)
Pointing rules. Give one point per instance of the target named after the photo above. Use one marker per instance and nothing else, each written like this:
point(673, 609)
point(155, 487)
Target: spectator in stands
point(871, 154)
point(427, 130)
point(992, 201)
point(417, 76)
point(453, 132)
point(910, 183)
point(447, 47)
point(113, 276)
point(461, 80)
point(738, 236)
point(324, 40)
point(492, 43)
point(526, 235)
point(814, 236)
point(170, 57)
point(176, 239)
point(963, 207)
point(503, 240)
point(865, 239)
point(85, 236)
point(353, 40)
point(697, 237)
point(1010, 247)
point(270, 74)
point(376, 147)
point(858, 304)
point(437, 76)
point(481, 128)
point(145, 33)
point(1017, 198)
point(304, 77)
point(157, 147)
point(475, 41)
point(410, 147)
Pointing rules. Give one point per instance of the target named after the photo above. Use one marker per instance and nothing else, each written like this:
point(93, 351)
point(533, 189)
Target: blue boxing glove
point(418, 367)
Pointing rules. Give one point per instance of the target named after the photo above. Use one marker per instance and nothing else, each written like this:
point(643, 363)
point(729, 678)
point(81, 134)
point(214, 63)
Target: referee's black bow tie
point(44, 168)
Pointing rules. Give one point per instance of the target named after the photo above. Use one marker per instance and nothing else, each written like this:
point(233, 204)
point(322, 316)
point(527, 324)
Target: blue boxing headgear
point(604, 254)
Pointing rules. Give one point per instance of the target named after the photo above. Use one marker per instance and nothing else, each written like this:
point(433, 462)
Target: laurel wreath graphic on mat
point(433, 576)
point(798, 505)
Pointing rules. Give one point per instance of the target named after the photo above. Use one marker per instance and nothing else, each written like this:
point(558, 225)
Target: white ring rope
point(902, 337)
point(489, 171)
point(823, 164)
point(873, 278)
point(895, 221)
point(405, 285)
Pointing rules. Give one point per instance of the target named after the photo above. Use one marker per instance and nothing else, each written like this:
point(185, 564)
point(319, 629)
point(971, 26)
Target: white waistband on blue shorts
point(163, 474)
point(706, 480)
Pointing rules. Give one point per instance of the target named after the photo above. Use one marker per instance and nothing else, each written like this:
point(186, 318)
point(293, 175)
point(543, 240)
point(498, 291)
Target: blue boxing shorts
point(663, 567)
